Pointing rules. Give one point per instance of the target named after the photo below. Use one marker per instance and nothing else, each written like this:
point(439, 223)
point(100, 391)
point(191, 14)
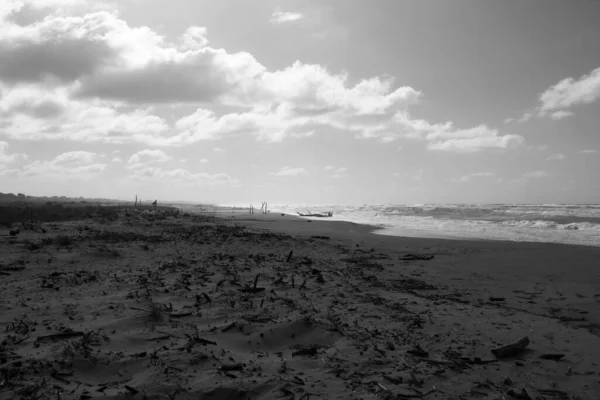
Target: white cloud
point(148, 156)
point(468, 177)
point(153, 174)
point(194, 38)
point(287, 171)
point(560, 114)
point(570, 92)
point(528, 176)
point(95, 78)
point(525, 117)
point(339, 173)
point(6, 158)
point(203, 161)
point(588, 151)
point(535, 174)
point(71, 166)
point(218, 150)
point(142, 167)
point(117, 160)
point(556, 157)
point(279, 17)
point(472, 140)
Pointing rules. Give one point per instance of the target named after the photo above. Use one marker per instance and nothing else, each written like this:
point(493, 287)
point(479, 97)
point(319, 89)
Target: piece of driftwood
point(180, 315)
point(310, 351)
point(232, 367)
point(318, 215)
point(512, 348)
point(410, 257)
point(552, 356)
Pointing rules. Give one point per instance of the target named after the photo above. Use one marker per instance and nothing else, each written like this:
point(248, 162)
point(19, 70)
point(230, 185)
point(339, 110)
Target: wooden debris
point(232, 367)
point(523, 395)
point(552, 356)
point(512, 348)
point(412, 257)
point(131, 390)
point(418, 351)
point(309, 351)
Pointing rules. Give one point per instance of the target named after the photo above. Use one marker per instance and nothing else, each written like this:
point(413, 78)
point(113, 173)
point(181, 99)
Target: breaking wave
point(554, 223)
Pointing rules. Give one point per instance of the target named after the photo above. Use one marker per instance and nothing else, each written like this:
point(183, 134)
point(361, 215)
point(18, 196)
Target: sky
point(301, 101)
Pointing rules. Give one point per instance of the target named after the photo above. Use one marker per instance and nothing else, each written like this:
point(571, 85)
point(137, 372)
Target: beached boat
point(319, 215)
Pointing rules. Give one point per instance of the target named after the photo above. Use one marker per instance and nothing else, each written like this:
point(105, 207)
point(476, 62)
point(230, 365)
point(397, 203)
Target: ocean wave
point(573, 226)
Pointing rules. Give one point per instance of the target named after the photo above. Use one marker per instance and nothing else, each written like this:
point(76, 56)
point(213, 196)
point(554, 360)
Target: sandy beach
point(158, 304)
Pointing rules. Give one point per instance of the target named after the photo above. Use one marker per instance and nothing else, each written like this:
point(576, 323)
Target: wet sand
point(275, 307)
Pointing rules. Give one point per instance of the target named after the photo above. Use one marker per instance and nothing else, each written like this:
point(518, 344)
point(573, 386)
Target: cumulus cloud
point(71, 166)
point(560, 114)
point(287, 171)
point(6, 158)
point(142, 166)
point(154, 174)
point(570, 92)
point(148, 156)
point(280, 17)
point(33, 112)
point(471, 140)
point(116, 73)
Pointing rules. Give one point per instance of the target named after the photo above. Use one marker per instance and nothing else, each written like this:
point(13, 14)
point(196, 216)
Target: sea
point(551, 223)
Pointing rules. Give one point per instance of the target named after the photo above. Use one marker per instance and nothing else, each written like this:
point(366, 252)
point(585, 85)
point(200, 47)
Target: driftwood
point(310, 351)
point(512, 348)
point(552, 356)
point(411, 257)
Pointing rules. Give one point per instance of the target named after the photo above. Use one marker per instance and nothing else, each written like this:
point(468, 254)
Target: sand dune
point(165, 306)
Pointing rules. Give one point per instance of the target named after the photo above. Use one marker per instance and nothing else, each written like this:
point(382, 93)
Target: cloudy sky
point(337, 101)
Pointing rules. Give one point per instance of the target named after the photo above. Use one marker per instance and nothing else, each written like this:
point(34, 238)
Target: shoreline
point(266, 306)
point(373, 229)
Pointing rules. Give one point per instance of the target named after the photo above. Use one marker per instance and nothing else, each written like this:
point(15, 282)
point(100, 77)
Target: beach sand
point(161, 305)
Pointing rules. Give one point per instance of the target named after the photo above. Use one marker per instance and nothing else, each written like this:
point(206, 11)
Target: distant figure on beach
point(155, 203)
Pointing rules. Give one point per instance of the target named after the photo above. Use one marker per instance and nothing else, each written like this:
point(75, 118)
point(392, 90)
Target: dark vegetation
point(15, 213)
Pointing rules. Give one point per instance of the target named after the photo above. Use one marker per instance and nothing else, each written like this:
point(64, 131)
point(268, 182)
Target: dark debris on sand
point(160, 306)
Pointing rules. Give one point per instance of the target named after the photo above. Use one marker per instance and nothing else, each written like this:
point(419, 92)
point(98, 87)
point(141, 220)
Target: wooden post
point(135, 205)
